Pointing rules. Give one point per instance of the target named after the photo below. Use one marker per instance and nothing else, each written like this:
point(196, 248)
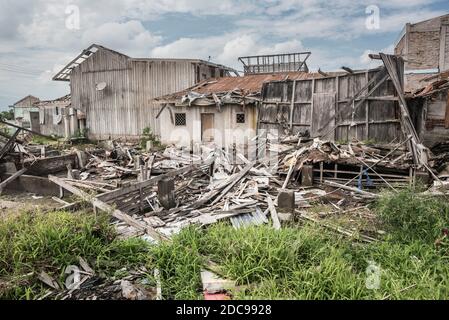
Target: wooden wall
point(320, 106)
point(431, 117)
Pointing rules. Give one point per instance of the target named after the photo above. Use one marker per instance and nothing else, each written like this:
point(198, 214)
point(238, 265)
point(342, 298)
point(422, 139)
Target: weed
point(33, 242)
point(410, 216)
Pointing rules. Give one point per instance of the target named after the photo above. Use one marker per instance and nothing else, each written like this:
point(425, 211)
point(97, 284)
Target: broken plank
point(274, 215)
point(97, 203)
point(12, 178)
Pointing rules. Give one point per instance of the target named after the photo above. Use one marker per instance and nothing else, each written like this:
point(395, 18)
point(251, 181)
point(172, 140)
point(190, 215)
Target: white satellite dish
point(100, 86)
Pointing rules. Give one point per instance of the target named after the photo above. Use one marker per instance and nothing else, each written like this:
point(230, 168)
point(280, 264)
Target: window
point(180, 119)
point(240, 118)
point(57, 111)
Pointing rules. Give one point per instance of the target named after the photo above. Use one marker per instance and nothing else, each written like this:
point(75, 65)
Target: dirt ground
point(12, 202)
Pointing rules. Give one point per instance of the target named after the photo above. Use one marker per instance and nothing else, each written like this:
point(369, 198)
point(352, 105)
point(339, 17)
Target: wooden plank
point(136, 187)
point(443, 53)
point(274, 215)
point(12, 178)
point(348, 188)
point(292, 104)
point(97, 203)
point(446, 118)
point(9, 145)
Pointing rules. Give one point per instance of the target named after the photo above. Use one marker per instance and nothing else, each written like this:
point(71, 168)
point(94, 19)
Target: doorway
point(35, 123)
point(207, 127)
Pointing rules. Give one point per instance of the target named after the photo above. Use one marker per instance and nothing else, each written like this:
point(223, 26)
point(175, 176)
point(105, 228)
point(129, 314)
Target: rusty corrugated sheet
point(250, 84)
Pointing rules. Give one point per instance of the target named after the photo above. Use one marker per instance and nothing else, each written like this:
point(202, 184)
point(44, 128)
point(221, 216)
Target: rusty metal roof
point(61, 102)
point(249, 84)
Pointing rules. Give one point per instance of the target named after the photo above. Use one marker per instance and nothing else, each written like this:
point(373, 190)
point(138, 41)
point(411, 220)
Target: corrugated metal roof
point(249, 84)
point(61, 102)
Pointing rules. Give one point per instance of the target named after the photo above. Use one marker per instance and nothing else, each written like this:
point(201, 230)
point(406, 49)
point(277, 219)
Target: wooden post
point(166, 193)
point(307, 176)
point(137, 163)
point(367, 109)
point(321, 171)
point(292, 105)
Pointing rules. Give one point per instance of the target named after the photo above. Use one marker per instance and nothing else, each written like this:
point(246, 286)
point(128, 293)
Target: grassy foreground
point(297, 262)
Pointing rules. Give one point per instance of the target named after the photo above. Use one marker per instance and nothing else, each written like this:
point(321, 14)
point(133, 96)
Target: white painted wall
point(227, 131)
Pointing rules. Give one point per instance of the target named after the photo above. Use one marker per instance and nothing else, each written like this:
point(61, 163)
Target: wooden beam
point(446, 118)
point(292, 105)
point(348, 188)
point(348, 70)
point(97, 203)
point(12, 178)
point(27, 130)
point(9, 145)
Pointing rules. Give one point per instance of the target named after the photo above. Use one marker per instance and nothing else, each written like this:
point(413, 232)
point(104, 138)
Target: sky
point(38, 38)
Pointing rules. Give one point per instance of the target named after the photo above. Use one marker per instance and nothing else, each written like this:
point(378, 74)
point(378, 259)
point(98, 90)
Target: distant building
point(26, 113)
point(275, 63)
point(116, 91)
point(425, 48)
point(58, 118)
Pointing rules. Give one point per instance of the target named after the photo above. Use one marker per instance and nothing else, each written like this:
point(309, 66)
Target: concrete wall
point(227, 130)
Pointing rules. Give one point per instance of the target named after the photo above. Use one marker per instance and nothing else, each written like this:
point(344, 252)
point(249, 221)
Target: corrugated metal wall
point(124, 108)
point(49, 125)
point(320, 106)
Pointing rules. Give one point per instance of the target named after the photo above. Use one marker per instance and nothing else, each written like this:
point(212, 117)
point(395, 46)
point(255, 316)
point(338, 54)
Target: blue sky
point(37, 38)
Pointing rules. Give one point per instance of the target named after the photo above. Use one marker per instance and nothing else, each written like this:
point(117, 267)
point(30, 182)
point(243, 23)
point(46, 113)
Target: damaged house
point(225, 110)
point(429, 108)
point(26, 114)
point(58, 118)
point(116, 91)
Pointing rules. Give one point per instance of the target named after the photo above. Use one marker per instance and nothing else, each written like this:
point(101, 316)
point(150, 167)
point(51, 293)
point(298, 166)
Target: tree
point(7, 115)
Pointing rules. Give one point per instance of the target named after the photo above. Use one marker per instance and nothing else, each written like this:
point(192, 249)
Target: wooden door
point(207, 127)
point(35, 123)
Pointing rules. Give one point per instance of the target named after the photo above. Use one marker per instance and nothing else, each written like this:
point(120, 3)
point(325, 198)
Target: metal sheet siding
point(125, 107)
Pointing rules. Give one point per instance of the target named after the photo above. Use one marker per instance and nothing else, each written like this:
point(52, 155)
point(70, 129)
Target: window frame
point(185, 119)
point(237, 117)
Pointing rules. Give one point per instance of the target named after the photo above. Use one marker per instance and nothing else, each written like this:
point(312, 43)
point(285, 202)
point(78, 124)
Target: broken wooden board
point(107, 208)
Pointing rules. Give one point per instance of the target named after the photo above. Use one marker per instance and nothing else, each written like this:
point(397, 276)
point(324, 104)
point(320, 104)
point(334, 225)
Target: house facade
point(116, 92)
point(58, 118)
point(26, 113)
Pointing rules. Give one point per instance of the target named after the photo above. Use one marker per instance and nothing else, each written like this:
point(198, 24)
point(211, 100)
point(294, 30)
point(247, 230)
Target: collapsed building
point(223, 110)
point(115, 91)
point(54, 118)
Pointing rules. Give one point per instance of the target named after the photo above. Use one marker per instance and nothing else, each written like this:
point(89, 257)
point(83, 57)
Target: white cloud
point(131, 37)
point(33, 32)
point(224, 49)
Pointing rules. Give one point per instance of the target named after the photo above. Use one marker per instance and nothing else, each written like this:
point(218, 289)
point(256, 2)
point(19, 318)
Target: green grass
point(40, 140)
point(33, 242)
point(409, 216)
point(296, 262)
